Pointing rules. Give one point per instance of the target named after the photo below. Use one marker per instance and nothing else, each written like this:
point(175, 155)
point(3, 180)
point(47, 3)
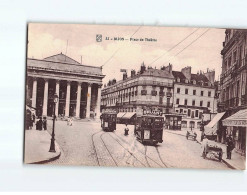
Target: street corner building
point(233, 89)
point(182, 97)
point(147, 89)
point(78, 87)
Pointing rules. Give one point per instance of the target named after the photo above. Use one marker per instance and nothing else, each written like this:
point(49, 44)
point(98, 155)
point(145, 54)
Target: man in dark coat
point(39, 124)
point(229, 147)
point(44, 123)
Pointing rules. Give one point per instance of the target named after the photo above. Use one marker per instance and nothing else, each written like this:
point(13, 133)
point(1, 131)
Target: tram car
point(149, 129)
point(108, 121)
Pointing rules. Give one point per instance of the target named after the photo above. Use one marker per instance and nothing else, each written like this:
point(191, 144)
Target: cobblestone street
point(85, 143)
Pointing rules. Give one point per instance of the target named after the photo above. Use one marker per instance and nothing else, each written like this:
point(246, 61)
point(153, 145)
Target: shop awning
point(120, 114)
point(215, 120)
point(128, 115)
point(239, 119)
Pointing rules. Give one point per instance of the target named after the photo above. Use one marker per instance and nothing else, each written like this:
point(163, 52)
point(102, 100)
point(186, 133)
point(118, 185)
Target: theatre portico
point(78, 87)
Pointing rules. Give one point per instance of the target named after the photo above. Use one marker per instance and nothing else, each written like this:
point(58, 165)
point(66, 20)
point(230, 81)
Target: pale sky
point(50, 39)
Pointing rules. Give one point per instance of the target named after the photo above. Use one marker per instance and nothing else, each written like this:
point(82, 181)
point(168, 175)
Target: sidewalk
point(237, 162)
point(37, 145)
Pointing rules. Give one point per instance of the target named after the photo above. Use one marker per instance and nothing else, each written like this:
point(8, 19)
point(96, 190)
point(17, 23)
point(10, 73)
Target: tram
point(108, 121)
point(149, 129)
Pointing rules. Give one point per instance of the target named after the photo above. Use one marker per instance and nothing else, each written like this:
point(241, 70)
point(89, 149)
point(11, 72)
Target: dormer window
point(186, 81)
point(194, 82)
point(178, 80)
point(202, 83)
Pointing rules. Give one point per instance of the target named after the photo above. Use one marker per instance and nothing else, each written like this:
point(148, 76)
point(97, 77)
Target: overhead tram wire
point(174, 46)
point(120, 48)
point(189, 44)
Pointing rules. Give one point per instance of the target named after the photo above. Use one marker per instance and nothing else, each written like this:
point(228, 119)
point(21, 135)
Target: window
point(194, 82)
point(178, 80)
point(201, 93)
point(201, 103)
point(143, 92)
point(200, 115)
point(193, 102)
point(192, 114)
point(209, 94)
point(178, 90)
point(181, 110)
point(194, 92)
point(186, 91)
point(177, 111)
point(196, 113)
point(154, 93)
point(161, 100)
point(189, 111)
point(185, 102)
point(208, 105)
point(177, 101)
point(186, 81)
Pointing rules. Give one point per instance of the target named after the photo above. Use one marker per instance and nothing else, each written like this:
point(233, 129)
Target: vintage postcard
point(136, 96)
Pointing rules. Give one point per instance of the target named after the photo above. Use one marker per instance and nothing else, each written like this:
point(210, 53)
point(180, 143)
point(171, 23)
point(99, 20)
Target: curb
point(227, 164)
point(47, 160)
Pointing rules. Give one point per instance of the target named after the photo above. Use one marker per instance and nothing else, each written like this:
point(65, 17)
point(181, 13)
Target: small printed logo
point(99, 38)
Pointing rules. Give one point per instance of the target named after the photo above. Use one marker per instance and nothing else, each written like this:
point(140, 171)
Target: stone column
point(57, 92)
point(45, 102)
point(78, 101)
point(34, 93)
point(89, 92)
point(98, 102)
point(67, 99)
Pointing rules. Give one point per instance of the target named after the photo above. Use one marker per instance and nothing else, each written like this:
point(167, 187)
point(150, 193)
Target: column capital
point(79, 82)
point(46, 79)
point(57, 81)
point(89, 84)
point(69, 82)
point(100, 85)
point(35, 78)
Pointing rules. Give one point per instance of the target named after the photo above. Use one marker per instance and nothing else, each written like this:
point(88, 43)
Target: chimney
point(143, 68)
point(114, 81)
point(187, 72)
point(133, 73)
point(125, 75)
point(210, 76)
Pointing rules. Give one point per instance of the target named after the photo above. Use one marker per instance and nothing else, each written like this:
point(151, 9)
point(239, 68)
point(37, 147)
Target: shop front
point(236, 127)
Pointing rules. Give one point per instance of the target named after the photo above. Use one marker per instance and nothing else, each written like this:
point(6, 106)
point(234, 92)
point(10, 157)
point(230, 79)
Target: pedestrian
point(204, 146)
point(229, 147)
point(39, 124)
point(44, 122)
point(33, 118)
point(126, 130)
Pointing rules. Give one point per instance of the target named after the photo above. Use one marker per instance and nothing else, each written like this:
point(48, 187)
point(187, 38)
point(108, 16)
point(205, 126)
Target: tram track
point(146, 156)
point(107, 148)
point(94, 148)
point(143, 153)
point(127, 150)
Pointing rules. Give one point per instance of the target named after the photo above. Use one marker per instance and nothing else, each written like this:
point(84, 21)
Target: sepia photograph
point(135, 96)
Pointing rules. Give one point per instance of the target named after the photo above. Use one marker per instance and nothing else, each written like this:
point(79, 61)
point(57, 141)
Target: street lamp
point(52, 146)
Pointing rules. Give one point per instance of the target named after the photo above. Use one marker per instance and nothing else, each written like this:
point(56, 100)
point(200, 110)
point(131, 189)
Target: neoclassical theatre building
point(78, 87)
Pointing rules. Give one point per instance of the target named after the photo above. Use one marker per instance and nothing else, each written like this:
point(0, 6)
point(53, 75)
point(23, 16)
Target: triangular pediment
point(61, 58)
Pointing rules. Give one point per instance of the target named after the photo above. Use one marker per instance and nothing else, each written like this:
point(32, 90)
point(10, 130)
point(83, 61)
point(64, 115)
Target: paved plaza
point(84, 143)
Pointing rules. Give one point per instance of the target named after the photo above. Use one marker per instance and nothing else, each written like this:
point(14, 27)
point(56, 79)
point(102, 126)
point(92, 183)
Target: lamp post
point(52, 146)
